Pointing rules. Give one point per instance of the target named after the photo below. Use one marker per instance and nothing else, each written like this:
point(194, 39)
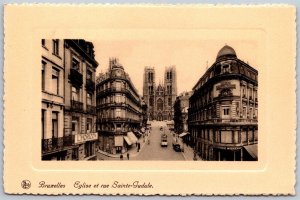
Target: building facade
point(160, 98)
point(80, 99)
point(119, 109)
point(224, 108)
point(52, 112)
point(181, 106)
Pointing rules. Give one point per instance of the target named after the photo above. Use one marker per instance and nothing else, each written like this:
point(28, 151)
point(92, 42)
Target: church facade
point(160, 98)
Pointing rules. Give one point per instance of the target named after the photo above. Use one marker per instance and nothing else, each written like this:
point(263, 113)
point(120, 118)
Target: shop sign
point(80, 138)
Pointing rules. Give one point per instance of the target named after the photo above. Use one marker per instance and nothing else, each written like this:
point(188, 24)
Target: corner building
point(80, 99)
point(160, 99)
point(223, 110)
point(119, 109)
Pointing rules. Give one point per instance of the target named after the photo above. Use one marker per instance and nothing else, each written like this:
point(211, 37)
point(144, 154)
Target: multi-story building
point(181, 106)
point(223, 110)
point(144, 113)
point(80, 99)
point(119, 109)
point(160, 99)
point(52, 115)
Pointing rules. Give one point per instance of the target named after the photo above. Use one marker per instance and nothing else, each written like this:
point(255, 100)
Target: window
point(118, 86)
point(75, 64)
point(244, 112)
point(118, 98)
point(89, 75)
point(160, 104)
point(54, 124)
point(75, 124)
point(244, 92)
point(251, 113)
point(118, 112)
point(55, 81)
point(88, 125)
point(226, 68)
point(225, 112)
point(56, 47)
point(43, 42)
point(75, 94)
point(89, 99)
point(43, 75)
point(217, 136)
point(151, 101)
point(226, 136)
point(170, 101)
point(43, 124)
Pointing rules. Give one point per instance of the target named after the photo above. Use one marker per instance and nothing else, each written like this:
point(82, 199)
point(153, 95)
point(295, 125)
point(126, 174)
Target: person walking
point(127, 156)
point(121, 157)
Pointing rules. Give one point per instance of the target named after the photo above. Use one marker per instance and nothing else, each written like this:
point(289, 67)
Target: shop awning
point(127, 140)
point(184, 134)
point(119, 141)
point(132, 137)
point(252, 150)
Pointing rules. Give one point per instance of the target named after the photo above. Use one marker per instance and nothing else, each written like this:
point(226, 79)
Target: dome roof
point(226, 51)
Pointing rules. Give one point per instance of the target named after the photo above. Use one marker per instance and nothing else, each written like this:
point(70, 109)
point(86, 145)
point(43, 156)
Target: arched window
point(160, 104)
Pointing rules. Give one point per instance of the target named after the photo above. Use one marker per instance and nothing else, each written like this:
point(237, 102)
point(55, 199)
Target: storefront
point(86, 146)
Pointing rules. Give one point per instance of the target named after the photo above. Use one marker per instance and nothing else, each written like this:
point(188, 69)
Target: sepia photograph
point(149, 100)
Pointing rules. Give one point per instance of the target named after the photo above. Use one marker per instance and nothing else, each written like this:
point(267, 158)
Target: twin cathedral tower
point(160, 98)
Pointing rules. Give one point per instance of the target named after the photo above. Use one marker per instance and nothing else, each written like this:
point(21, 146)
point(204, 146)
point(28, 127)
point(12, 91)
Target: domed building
point(223, 110)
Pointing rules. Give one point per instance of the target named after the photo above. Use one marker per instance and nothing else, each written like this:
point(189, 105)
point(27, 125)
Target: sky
point(191, 57)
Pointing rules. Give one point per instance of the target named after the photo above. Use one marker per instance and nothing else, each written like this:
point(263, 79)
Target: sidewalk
point(132, 151)
point(187, 151)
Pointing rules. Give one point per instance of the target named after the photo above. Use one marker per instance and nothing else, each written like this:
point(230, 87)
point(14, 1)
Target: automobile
point(164, 140)
point(176, 147)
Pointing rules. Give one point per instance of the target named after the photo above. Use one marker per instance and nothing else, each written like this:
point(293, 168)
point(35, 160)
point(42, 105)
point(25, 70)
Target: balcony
point(76, 106)
point(91, 109)
point(90, 86)
point(52, 144)
point(75, 78)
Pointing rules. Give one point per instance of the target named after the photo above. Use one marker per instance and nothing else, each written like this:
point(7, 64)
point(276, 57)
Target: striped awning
point(252, 150)
point(132, 137)
point(127, 140)
point(184, 134)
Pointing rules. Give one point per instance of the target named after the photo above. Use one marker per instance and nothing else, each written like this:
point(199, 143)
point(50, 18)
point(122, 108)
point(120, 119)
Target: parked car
point(176, 147)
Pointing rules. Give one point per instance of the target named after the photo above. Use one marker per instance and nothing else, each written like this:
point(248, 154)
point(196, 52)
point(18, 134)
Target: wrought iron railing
point(76, 78)
point(76, 106)
point(91, 109)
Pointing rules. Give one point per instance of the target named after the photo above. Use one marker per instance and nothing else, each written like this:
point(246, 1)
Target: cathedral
point(160, 98)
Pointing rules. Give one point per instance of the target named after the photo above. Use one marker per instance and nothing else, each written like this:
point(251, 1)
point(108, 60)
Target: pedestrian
point(121, 157)
point(136, 143)
point(127, 156)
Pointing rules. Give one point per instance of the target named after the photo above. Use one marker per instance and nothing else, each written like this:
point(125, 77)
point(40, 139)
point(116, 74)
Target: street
point(154, 151)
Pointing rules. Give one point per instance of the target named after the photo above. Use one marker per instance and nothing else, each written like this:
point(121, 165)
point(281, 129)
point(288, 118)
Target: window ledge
point(57, 55)
point(45, 47)
point(50, 93)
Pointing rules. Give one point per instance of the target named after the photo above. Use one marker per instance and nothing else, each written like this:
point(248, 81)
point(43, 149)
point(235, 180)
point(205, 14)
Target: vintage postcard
point(149, 99)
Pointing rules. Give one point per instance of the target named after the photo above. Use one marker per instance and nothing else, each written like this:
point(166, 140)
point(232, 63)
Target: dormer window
point(226, 68)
